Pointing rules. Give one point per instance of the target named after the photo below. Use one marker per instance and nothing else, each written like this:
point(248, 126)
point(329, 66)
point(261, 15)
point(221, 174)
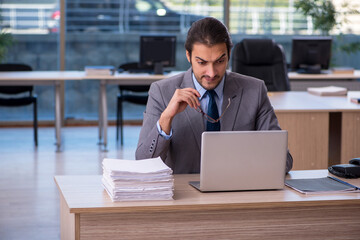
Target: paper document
point(146, 166)
point(137, 180)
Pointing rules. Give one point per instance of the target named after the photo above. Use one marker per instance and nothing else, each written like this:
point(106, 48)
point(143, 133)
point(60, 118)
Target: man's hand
point(180, 100)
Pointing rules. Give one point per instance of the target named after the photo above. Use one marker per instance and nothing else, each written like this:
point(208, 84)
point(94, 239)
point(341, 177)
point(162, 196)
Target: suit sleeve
point(267, 120)
point(151, 144)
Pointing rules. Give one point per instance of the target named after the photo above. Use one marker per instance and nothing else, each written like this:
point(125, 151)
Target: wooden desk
point(306, 118)
point(87, 212)
point(349, 123)
point(322, 130)
point(43, 78)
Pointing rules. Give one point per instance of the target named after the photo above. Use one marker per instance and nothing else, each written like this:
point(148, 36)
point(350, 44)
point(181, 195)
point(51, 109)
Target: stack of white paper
point(130, 180)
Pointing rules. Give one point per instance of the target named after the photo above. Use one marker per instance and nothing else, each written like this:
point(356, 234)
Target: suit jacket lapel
point(233, 91)
point(195, 119)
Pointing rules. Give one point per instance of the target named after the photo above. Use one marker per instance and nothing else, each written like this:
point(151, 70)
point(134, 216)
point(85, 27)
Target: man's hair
point(208, 31)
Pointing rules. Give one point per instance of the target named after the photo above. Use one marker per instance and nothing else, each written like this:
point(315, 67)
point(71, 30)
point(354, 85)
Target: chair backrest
point(11, 67)
point(135, 88)
point(263, 59)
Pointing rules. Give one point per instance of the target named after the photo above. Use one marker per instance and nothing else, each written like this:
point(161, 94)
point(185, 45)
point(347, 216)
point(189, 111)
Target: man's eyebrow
point(221, 57)
point(215, 60)
point(201, 59)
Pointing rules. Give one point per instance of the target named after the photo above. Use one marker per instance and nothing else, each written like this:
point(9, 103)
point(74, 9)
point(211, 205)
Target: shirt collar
point(219, 88)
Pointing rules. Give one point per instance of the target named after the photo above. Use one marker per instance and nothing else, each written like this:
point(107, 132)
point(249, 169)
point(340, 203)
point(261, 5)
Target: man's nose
point(210, 71)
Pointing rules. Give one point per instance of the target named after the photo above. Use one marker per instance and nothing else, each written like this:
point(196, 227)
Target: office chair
point(128, 94)
point(10, 94)
point(263, 59)
point(137, 94)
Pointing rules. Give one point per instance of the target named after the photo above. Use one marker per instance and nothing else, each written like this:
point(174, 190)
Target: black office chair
point(263, 59)
point(130, 94)
point(14, 96)
point(137, 94)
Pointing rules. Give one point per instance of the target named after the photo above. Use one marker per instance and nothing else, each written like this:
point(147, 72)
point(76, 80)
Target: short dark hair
point(208, 31)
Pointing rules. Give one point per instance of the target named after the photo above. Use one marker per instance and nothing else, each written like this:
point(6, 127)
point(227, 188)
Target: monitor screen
point(157, 52)
point(310, 54)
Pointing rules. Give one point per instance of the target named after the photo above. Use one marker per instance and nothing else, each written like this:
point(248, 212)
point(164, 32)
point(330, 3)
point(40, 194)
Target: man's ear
point(188, 56)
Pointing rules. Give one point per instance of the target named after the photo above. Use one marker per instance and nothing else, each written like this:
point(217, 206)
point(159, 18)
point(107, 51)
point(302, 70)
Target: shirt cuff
point(162, 133)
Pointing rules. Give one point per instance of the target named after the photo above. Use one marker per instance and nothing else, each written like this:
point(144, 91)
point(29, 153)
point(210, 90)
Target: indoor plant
point(5, 42)
point(327, 18)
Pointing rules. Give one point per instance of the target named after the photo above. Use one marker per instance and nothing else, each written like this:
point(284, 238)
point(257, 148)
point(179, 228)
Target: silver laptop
point(242, 160)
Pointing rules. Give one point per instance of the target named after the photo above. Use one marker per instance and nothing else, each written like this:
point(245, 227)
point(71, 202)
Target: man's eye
point(201, 63)
point(220, 61)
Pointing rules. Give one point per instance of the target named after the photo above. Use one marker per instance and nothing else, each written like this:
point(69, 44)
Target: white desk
point(325, 76)
point(43, 78)
point(119, 79)
point(300, 82)
point(288, 106)
point(57, 77)
point(306, 117)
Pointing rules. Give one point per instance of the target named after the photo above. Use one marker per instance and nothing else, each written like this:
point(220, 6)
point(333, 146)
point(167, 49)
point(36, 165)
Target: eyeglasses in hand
point(210, 119)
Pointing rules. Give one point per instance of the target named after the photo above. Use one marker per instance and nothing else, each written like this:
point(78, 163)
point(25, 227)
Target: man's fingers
point(190, 96)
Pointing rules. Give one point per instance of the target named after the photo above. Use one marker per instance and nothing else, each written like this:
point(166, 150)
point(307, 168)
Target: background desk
point(302, 114)
point(119, 79)
point(322, 130)
point(87, 212)
point(300, 82)
point(44, 78)
point(325, 76)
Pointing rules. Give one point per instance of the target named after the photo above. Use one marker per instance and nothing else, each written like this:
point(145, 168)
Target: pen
point(343, 182)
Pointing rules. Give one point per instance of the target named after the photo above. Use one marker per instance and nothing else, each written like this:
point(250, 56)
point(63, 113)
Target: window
point(143, 6)
point(34, 44)
point(107, 32)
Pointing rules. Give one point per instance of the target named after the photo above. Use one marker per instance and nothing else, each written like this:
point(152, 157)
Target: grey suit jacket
point(250, 109)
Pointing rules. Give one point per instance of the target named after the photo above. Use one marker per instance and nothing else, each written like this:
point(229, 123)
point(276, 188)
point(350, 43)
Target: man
point(175, 117)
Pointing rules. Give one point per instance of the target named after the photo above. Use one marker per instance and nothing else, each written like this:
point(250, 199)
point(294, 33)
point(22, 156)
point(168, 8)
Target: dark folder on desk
point(242, 160)
point(320, 185)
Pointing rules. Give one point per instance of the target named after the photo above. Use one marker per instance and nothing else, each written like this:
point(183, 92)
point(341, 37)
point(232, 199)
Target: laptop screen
point(243, 160)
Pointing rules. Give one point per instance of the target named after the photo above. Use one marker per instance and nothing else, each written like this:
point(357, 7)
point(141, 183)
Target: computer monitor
point(310, 54)
point(157, 52)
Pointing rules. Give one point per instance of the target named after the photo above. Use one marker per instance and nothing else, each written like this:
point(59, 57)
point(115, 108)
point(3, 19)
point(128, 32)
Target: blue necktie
point(212, 112)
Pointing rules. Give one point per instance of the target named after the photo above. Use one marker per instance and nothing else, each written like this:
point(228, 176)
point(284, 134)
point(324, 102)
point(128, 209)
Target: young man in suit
point(177, 112)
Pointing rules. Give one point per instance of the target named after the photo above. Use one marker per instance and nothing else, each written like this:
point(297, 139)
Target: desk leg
point(104, 112)
point(100, 114)
point(57, 116)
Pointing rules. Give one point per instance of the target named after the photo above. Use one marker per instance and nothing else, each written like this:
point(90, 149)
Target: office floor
point(29, 200)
